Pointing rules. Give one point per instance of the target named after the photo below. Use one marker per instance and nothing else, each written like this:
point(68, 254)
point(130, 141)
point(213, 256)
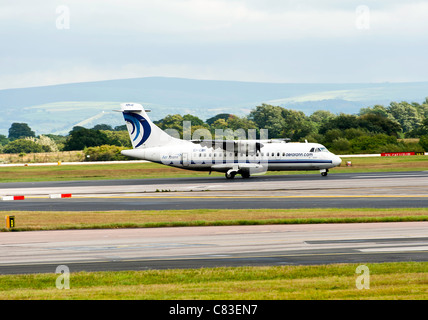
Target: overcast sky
point(335, 41)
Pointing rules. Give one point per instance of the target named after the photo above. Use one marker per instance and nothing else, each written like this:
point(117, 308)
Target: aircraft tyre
point(245, 174)
point(230, 175)
point(324, 173)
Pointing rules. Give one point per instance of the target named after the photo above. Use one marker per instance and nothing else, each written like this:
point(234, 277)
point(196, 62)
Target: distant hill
point(56, 109)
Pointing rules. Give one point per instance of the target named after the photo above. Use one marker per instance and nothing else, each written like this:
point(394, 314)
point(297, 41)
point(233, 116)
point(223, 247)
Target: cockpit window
point(322, 149)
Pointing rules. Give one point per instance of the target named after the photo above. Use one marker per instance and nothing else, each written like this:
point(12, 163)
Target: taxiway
point(196, 247)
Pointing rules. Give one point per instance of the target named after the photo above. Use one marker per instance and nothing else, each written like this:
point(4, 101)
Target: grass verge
point(402, 280)
point(58, 220)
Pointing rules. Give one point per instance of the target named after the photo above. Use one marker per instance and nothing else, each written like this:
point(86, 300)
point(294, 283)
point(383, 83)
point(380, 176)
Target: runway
point(342, 190)
point(196, 247)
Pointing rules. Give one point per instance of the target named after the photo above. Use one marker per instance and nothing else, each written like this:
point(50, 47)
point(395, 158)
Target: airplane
point(232, 157)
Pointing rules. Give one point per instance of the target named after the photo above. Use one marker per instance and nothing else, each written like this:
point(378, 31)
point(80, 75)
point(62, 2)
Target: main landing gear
point(232, 173)
point(324, 172)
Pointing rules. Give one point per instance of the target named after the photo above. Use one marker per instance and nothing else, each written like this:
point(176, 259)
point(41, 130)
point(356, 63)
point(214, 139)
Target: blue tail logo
point(140, 128)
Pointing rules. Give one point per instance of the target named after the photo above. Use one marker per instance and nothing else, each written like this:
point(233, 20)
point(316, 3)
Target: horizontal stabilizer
point(132, 107)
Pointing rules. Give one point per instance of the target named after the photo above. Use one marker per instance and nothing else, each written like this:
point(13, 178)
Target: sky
point(334, 41)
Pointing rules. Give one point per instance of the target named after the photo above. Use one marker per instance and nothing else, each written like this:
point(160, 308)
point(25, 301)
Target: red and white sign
point(60, 195)
point(10, 198)
point(395, 154)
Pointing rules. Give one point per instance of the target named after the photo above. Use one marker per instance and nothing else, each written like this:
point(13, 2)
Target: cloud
point(272, 40)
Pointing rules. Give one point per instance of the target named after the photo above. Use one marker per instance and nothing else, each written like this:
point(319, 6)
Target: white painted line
point(395, 249)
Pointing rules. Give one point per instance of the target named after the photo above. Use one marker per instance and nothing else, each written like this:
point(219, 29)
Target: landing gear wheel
point(230, 175)
point(324, 172)
point(245, 175)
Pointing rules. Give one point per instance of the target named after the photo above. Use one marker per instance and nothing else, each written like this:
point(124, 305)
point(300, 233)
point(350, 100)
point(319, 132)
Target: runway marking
point(389, 176)
point(395, 249)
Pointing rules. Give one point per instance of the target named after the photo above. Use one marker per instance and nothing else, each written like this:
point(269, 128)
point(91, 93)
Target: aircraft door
point(185, 159)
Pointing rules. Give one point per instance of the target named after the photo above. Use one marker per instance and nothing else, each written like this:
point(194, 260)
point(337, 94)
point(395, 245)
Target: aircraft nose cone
point(337, 161)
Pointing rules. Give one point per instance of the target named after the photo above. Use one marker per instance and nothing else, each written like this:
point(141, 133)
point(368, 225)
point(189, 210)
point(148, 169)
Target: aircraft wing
point(249, 146)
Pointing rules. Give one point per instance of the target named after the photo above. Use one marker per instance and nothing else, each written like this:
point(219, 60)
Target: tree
point(224, 116)
point(296, 125)
point(372, 144)
point(341, 122)
point(220, 124)
point(103, 126)
point(171, 121)
point(340, 145)
point(121, 128)
point(23, 146)
point(236, 123)
point(376, 109)
point(423, 141)
point(268, 117)
point(3, 140)
point(80, 139)
point(104, 153)
point(379, 124)
point(321, 116)
point(20, 130)
point(118, 138)
point(405, 114)
point(195, 121)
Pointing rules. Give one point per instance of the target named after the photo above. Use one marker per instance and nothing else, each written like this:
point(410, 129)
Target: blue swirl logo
point(140, 128)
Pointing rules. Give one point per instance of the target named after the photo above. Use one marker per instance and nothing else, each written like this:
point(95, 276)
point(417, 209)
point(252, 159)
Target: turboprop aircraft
point(244, 157)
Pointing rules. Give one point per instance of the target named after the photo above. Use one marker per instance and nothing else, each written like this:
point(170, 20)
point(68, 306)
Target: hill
point(56, 109)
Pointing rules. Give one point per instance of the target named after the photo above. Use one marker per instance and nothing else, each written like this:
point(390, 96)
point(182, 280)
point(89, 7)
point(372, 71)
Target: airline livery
point(244, 157)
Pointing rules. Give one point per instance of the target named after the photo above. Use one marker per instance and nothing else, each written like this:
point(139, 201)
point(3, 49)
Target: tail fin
point(142, 131)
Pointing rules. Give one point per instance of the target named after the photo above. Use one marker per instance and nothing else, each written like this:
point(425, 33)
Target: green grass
point(59, 220)
point(98, 171)
point(403, 280)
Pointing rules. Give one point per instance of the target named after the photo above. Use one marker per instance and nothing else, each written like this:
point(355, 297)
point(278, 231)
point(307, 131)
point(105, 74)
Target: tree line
point(374, 129)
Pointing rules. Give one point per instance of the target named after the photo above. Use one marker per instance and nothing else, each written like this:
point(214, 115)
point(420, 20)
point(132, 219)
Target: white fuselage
point(273, 156)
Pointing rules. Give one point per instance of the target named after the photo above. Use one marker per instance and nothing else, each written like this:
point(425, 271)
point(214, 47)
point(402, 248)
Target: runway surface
point(342, 190)
point(195, 247)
